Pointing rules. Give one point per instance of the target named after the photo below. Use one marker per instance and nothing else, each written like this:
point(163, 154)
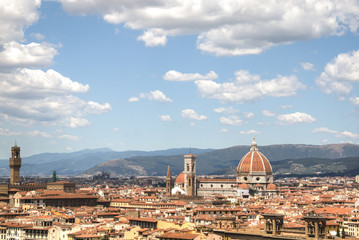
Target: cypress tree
point(54, 178)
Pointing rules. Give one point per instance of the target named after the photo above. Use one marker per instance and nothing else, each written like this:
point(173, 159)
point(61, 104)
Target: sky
point(159, 74)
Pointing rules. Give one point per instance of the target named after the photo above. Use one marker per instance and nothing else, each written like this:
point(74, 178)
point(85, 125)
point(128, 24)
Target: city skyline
point(151, 75)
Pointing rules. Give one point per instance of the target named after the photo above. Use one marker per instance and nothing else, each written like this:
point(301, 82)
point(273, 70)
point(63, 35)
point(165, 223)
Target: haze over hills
point(76, 162)
point(128, 163)
point(212, 161)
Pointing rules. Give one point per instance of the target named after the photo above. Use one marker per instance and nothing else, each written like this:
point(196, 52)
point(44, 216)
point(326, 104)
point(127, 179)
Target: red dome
point(254, 161)
point(243, 186)
point(272, 187)
point(180, 178)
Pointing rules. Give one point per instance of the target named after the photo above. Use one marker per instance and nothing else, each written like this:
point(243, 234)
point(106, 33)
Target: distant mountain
point(223, 159)
point(308, 167)
point(76, 162)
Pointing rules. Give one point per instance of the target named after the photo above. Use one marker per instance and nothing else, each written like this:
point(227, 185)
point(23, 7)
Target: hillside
point(309, 167)
point(76, 162)
point(223, 159)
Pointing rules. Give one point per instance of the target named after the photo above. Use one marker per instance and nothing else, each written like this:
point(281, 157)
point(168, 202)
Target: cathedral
point(254, 177)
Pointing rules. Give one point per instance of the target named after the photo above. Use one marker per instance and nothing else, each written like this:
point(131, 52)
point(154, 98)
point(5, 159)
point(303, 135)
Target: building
point(254, 177)
point(15, 164)
point(67, 187)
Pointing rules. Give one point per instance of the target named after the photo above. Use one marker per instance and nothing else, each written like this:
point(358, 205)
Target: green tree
point(338, 232)
point(343, 233)
point(54, 178)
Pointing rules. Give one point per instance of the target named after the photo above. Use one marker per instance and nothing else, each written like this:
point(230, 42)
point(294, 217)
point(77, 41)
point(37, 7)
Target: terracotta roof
point(187, 236)
point(243, 186)
point(180, 178)
point(272, 187)
point(254, 161)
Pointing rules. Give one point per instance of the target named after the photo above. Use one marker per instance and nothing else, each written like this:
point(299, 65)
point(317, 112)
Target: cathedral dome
point(254, 162)
point(180, 179)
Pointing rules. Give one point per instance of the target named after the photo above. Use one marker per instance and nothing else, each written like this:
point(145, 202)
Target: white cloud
point(78, 122)
point(191, 114)
point(178, 76)
point(355, 100)
point(338, 134)
point(227, 27)
point(286, 106)
point(37, 96)
point(37, 133)
point(268, 113)
point(228, 110)
point(34, 133)
point(166, 118)
point(153, 38)
point(248, 87)
point(15, 16)
point(69, 137)
point(340, 73)
point(116, 129)
point(17, 55)
point(248, 115)
point(250, 132)
point(223, 130)
point(294, 118)
point(156, 95)
point(133, 99)
point(231, 120)
point(307, 66)
point(38, 36)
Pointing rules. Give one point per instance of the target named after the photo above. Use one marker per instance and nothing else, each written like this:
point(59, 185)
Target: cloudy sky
point(159, 74)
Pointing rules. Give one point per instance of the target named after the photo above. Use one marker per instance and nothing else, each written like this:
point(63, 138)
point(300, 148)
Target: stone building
point(254, 177)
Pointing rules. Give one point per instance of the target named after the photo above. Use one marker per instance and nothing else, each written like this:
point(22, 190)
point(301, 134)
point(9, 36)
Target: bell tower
point(15, 164)
point(190, 174)
point(168, 182)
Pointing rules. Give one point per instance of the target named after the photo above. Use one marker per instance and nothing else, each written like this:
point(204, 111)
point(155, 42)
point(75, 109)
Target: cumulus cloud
point(36, 96)
point(153, 38)
point(17, 55)
point(156, 95)
point(340, 74)
point(248, 115)
point(249, 87)
point(133, 99)
point(226, 110)
point(231, 120)
point(338, 134)
point(268, 113)
point(307, 66)
point(294, 118)
point(166, 118)
point(69, 137)
point(191, 114)
point(227, 27)
point(30, 95)
point(34, 133)
point(178, 76)
point(249, 132)
point(355, 100)
point(15, 16)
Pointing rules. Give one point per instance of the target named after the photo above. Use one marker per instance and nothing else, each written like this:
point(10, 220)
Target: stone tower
point(190, 174)
point(168, 182)
point(15, 164)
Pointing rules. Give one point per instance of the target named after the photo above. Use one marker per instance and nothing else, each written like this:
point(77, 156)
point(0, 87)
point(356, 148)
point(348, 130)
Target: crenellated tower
point(15, 164)
point(168, 182)
point(190, 174)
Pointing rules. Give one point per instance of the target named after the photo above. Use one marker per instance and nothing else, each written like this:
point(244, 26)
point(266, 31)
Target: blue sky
point(151, 74)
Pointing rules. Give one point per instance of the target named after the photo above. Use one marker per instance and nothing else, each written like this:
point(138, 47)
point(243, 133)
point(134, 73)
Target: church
point(254, 177)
